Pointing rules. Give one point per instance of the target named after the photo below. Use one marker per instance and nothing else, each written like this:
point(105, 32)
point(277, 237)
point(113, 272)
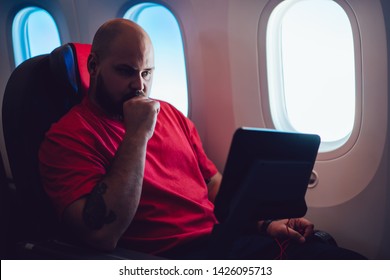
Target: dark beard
point(105, 101)
point(113, 108)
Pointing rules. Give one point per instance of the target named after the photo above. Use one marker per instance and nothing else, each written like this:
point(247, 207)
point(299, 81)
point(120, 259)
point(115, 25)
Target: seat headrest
point(69, 63)
point(82, 52)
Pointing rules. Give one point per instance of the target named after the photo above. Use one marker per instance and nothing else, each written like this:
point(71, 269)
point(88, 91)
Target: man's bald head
point(115, 29)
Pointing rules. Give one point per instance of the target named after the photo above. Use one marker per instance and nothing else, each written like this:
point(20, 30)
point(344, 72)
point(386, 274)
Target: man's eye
point(146, 75)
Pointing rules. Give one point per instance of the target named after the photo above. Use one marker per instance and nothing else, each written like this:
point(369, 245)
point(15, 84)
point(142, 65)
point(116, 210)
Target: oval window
point(311, 70)
point(34, 32)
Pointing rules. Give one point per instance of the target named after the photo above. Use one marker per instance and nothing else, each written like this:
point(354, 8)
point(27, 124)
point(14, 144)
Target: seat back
point(38, 93)
point(5, 202)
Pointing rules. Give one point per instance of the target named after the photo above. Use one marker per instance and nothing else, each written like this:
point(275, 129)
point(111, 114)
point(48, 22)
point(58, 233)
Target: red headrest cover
point(82, 52)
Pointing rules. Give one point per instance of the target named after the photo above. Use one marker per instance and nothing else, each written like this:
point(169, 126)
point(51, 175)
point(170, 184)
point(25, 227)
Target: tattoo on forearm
point(95, 209)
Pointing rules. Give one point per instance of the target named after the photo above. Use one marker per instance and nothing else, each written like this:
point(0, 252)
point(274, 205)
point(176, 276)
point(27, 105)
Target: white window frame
point(275, 105)
point(21, 43)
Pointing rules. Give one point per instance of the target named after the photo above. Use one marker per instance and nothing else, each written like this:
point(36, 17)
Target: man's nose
point(137, 82)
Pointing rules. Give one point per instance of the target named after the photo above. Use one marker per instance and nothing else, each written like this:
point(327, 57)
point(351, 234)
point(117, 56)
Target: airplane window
point(34, 32)
point(170, 80)
point(311, 70)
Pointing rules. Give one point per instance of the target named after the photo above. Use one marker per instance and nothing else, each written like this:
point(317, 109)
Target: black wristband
point(264, 226)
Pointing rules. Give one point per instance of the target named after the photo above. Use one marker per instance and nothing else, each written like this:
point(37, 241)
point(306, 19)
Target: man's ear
point(92, 64)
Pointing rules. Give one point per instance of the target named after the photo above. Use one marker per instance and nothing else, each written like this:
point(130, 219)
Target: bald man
point(124, 168)
point(120, 68)
point(102, 147)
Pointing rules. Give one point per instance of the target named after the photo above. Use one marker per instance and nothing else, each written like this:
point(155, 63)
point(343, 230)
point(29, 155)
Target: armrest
point(59, 250)
point(324, 237)
point(55, 249)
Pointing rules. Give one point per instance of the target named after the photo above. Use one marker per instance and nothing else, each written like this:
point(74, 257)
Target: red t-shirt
point(174, 206)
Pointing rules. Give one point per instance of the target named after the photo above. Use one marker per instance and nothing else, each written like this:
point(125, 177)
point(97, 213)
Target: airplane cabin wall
point(225, 92)
point(351, 200)
point(363, 222)
point(385, 244)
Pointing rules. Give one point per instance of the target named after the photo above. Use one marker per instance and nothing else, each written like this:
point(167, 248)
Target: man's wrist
point(264, 226)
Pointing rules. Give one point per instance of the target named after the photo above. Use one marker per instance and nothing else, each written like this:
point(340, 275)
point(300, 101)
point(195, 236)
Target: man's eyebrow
point(123, 65)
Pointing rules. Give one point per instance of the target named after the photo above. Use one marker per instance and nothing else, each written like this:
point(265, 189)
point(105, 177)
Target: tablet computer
point(266, 176)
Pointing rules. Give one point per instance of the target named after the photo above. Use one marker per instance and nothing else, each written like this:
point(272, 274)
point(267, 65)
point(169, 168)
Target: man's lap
point(255, 246)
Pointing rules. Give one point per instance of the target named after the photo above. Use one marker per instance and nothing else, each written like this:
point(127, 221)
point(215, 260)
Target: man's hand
point(296, 229)
point(140, 116)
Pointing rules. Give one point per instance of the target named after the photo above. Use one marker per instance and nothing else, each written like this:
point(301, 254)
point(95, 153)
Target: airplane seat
point(38, 93)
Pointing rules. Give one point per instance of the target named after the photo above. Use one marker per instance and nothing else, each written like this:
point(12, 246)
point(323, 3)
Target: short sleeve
point(70, 166)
